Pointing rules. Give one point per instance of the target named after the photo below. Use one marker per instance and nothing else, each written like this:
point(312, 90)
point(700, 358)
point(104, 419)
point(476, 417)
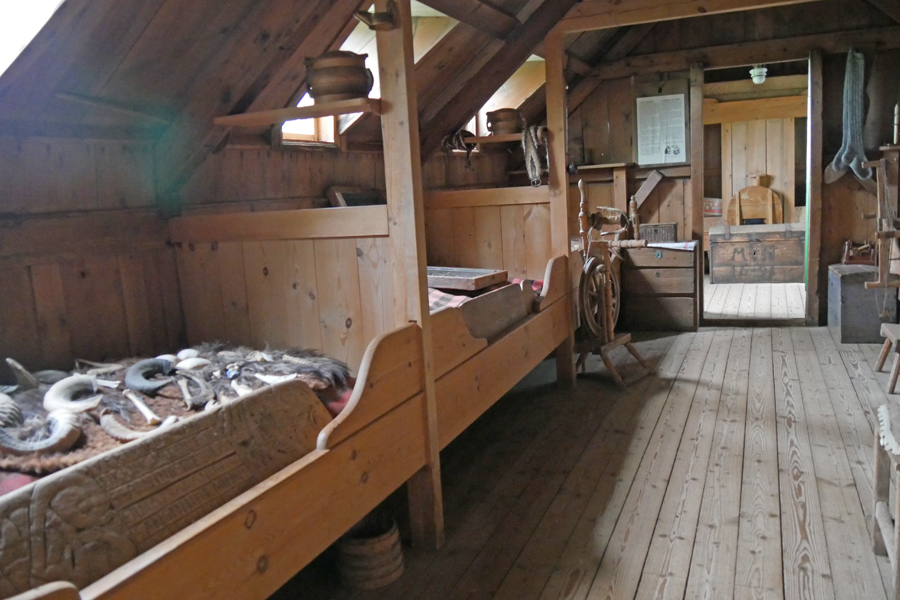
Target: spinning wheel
point(595, 278)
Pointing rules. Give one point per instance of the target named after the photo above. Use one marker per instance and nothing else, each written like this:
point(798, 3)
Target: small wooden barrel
point(504, 121)
point(338, 75)
point(368, 562)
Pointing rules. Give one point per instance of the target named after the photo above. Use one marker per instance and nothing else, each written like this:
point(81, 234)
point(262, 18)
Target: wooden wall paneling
point(173, 310)
point(671, 204)
point(96, 308)
point(52, 324)
point(459, 173)
point(434, 170)
point(576, 143)
point(137, 303)
point(376, 287)
point(464, 237)
point(756, 150)
point(124, 174)
point(622, 121)
point(739, 137)
point(232, 278)
point(302, 294)
point(267, 267)
point(440, 237)
point(537, 233)
point(694, 201)
point(19, 327)
point(515, 255)
point(649, 211)
point(488, 237)
point(201, 291)
point(72, 171)
point(712, 161)
point(340, 315)
point(595, 116)
point(155, 298)
point(727, 162)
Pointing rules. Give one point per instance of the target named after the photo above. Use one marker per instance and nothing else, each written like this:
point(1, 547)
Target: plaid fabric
point(537, 285)
point(438, 300)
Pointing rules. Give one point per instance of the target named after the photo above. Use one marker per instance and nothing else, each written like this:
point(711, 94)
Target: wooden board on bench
point(459, 278)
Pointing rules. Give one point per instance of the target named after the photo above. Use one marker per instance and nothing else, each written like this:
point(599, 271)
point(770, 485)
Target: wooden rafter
point(621, 47)
point(748, 53)
point(278, 36)
point(889, 7)
point(602, 14)
point(456, 108)
point(479, 15)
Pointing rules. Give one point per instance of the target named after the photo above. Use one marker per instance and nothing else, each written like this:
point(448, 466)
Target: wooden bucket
point(367, 561)
point(504, 121)
point(338, 75)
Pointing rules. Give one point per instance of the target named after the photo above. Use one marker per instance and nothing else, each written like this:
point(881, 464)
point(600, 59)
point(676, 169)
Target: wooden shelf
point(280, 115)
point(494, 139)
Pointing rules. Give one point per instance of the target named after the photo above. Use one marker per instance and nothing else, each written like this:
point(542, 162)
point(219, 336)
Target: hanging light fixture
point(758, 74)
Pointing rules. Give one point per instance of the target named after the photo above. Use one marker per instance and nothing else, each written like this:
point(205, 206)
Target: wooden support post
point(694, 213)
point(560, 223)
point(406, 219)
point(814, 308)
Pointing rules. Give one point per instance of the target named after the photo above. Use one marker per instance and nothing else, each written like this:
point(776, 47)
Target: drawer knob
point(659, 254)
point(657, 273)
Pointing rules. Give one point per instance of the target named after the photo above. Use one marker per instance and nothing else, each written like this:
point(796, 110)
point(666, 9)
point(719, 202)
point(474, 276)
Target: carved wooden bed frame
point(255, 542)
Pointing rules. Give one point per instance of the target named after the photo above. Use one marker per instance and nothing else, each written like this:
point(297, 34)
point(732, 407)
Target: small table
point(460, 278)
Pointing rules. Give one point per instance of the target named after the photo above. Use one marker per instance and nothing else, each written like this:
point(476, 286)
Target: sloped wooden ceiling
point(163, 69)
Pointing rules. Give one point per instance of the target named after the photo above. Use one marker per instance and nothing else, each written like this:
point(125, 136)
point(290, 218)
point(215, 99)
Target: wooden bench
point(885, 532)
point(891, 332)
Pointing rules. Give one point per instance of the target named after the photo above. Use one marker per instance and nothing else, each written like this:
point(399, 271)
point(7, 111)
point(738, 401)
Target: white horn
point(64, 432)
point(61, 394)
point(117, 431)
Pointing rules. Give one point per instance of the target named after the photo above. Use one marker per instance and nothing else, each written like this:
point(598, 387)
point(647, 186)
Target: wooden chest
point(659, 290)
point(757, 253)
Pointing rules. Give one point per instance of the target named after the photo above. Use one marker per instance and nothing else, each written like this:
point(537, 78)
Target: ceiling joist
point(479, 15)
point(603, 14)
point(889, 7)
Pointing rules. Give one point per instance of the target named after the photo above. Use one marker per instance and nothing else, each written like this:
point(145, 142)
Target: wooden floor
point(741, 469)
point(754, 300)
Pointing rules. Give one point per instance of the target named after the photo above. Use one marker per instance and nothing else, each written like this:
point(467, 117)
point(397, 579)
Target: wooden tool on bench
point(599, 291)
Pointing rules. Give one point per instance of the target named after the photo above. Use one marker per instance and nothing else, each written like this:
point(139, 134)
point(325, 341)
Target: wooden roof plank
point(249, 62)
point(602, 14)
point(479, 15)
point(462, 104)
point(889, 7)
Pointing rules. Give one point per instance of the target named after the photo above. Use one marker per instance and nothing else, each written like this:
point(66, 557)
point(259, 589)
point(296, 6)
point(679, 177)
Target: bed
point(485, 346)
point(254, 542)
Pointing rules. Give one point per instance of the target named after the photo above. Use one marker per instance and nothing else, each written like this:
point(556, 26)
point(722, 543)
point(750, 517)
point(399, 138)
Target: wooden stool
point(891, 332)
point(885, 533)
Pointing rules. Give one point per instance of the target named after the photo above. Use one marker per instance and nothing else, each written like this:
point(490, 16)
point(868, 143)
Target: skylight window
point(20, 21)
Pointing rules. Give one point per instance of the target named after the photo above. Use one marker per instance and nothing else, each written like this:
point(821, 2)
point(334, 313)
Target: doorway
point(754, 213)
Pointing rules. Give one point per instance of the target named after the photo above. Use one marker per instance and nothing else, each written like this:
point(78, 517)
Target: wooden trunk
point(659, 290)
point(757, 253)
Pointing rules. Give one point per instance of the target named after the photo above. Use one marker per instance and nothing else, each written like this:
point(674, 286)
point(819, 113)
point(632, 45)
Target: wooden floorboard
point(749, 301)
point(741, 468)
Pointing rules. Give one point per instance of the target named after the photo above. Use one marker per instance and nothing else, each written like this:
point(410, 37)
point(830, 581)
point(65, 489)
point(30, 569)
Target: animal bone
point(169, 357)
point(193, 363)
point(108, 383)
point(257, 356)
point(137, 376)
point(187, 353)
point(64, 432)
point(206, 393)
point(10, 413)
point(240, 388)
point(97, 368)
point(61, 394)
point(273, 379)
point(26, 380)
point(145, 410)
point(117, 430)
point(852, 154)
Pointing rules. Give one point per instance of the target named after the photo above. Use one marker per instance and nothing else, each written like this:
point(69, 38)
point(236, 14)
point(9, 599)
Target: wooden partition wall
point(311, 278)
point(496, 228)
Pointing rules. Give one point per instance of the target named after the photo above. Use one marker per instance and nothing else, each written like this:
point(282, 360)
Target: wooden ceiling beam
point(458, 107)
point(889, 7)
point(633, 36)
point(479, 15)
point(572, 62)
point(603, 14)
point(279, 32)
point(749, 53)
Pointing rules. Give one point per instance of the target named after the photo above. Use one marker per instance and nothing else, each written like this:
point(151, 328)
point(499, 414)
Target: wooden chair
point(755, 202)
point(891, 333)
